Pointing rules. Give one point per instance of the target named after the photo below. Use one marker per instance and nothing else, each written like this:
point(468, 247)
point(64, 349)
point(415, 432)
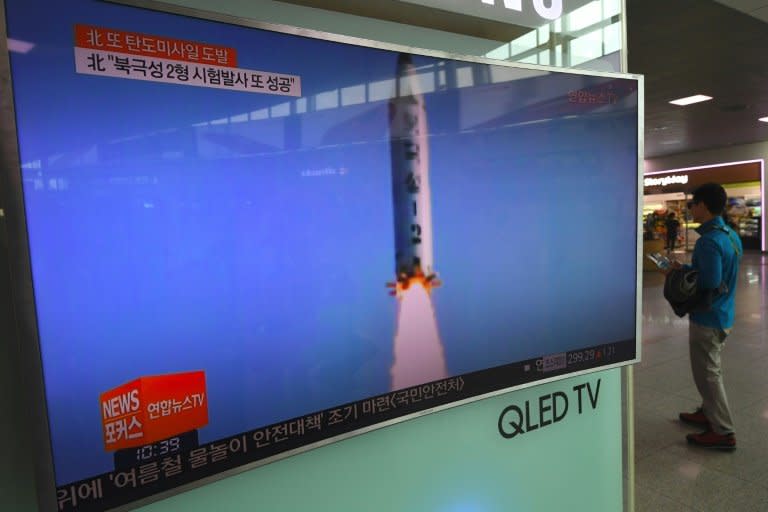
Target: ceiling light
point(690, 100)
point(15, 45)
point(763, 119)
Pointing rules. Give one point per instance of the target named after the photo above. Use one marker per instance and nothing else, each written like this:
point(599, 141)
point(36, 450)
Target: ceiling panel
point(746, 6)
point(691, 47)
point(761, 14)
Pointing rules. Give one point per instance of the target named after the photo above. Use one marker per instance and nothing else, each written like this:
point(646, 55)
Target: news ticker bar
point(158, 474)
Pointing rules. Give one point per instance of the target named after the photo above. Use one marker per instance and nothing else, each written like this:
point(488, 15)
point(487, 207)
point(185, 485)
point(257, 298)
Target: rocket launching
point(409, 148)
point(418, 353)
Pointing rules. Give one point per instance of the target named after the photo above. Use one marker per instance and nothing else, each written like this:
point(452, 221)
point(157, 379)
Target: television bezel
point(29, 353)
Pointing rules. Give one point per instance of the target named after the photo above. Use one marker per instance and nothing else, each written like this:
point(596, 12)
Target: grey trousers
point(705, 345)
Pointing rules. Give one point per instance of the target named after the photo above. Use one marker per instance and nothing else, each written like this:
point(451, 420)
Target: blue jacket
point(716, 258)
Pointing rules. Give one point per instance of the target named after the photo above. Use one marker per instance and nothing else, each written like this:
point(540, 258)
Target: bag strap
point(728, 231)
point(723, 288)
point(730, 239)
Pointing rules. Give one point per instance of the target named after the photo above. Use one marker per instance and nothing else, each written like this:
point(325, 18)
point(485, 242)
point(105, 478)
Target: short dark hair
point(713, 196)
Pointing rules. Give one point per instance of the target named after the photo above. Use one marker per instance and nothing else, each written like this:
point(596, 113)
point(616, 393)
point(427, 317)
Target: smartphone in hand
point(661, 261)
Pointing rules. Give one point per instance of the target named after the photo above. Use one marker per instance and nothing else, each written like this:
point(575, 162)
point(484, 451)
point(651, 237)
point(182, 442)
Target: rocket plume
point(419, 355)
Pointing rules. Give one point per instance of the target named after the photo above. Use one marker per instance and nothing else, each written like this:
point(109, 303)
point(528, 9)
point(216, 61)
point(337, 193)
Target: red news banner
point(153, 408)
point(135, 56)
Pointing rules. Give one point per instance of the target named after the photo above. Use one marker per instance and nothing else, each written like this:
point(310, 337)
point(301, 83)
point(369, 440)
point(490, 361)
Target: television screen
point(246, 241)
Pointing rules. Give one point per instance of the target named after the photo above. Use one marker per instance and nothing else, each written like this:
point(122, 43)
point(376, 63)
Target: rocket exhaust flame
point(404, 282)
point(419, 354)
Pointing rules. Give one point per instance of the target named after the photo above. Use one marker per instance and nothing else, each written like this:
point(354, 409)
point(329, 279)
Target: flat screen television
point(244, 240)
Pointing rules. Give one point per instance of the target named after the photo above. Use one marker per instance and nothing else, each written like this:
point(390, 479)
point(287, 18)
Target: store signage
point(686, 180)
point(523, 13)
point(665, 181)
point(554, 11)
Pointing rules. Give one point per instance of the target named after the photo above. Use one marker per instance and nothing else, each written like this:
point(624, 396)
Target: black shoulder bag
point(682, 292)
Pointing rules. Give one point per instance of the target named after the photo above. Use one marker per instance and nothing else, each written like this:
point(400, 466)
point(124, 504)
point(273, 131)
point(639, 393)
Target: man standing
point(673, 228)
point(716, 257)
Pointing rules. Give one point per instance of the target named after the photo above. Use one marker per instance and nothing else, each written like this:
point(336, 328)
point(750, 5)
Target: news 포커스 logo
point(153, 408)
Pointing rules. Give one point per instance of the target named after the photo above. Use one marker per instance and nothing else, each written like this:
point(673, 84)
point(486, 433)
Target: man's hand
point(676, 265)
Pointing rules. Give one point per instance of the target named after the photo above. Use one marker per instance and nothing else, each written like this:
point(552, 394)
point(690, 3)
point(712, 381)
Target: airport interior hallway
point(670, 474)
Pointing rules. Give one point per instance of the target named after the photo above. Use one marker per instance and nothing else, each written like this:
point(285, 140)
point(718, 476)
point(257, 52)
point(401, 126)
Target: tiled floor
point(670, 474)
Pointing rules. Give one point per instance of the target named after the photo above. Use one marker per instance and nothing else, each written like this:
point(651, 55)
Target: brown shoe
point(697, 418)
point(711, 439)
